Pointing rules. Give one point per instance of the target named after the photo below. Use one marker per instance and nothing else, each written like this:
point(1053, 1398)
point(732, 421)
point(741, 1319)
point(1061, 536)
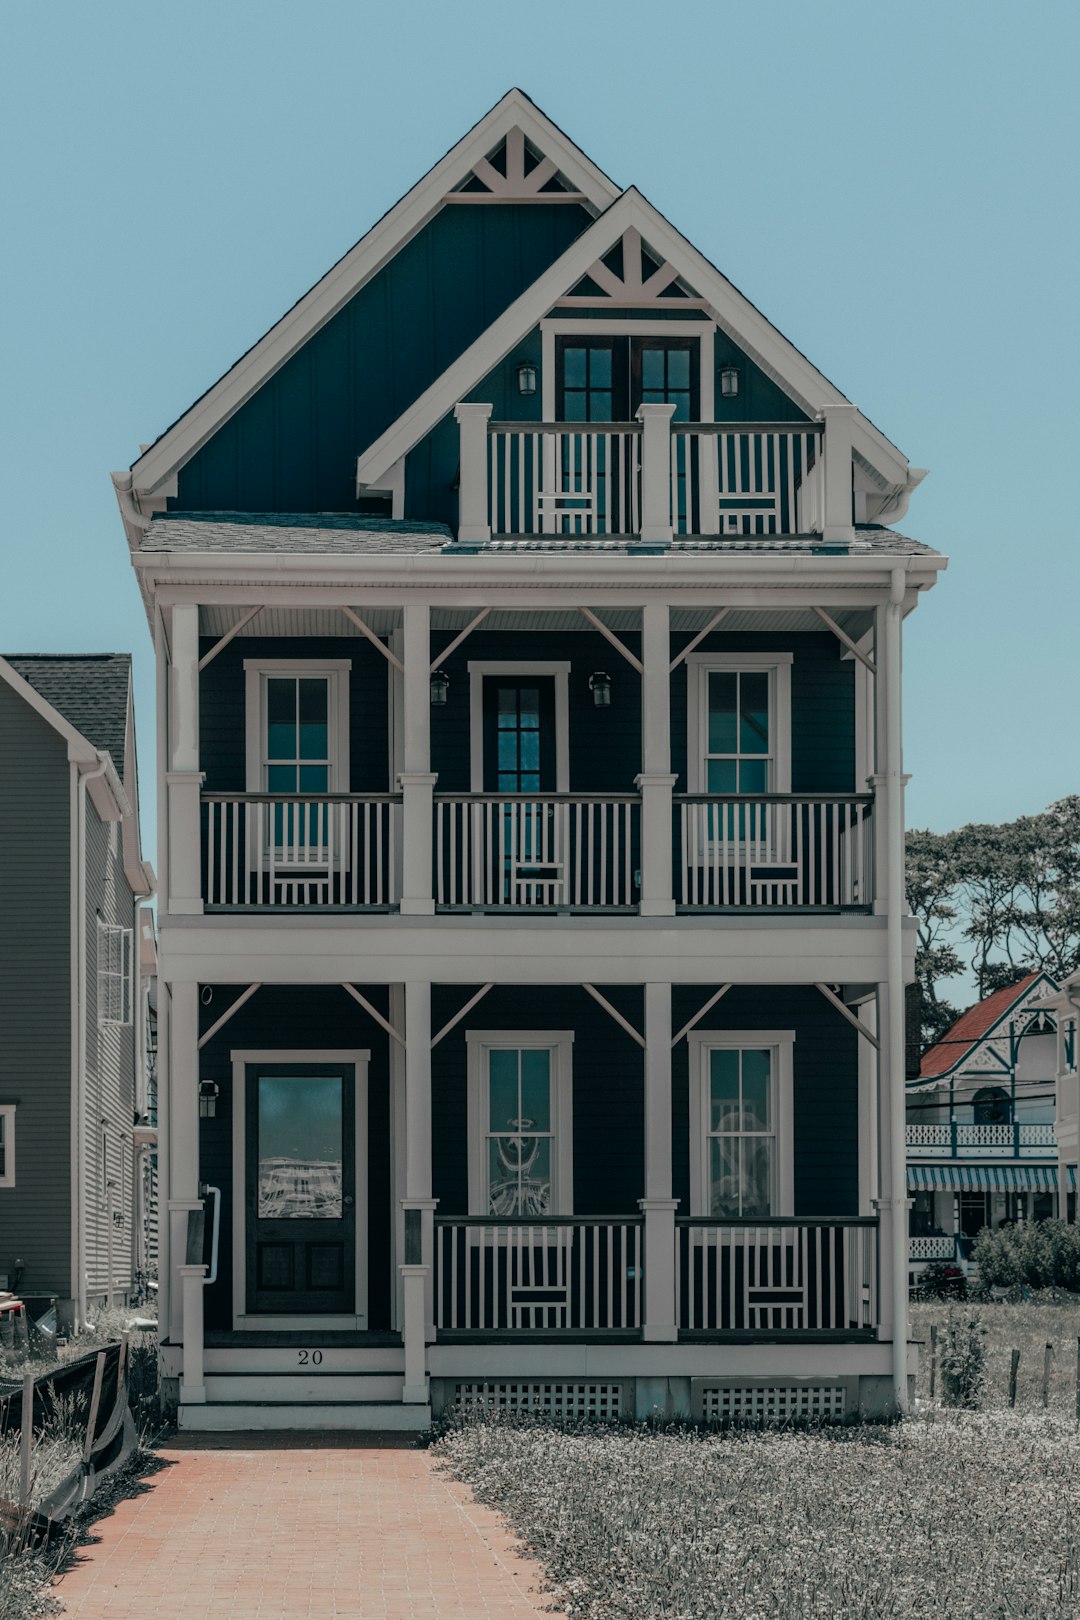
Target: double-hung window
point(739, 723)
point(520, 1150)
point(741, 1124)
point(114, 948)
point(297, 749)
point(7, 1144)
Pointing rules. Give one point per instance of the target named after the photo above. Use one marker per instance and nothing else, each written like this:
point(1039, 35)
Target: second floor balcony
point(959, 1140)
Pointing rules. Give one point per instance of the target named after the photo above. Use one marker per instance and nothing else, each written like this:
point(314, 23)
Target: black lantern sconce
point(729, 382)
point(526, 375)
point(209, 1092)
point(600, 687)
point(440, 688)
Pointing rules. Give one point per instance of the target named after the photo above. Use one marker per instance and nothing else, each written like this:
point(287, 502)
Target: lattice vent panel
point(773, 1403)
point(554, 1400)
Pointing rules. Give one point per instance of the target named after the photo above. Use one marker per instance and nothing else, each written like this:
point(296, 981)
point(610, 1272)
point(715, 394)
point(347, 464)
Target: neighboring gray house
point(73, 962)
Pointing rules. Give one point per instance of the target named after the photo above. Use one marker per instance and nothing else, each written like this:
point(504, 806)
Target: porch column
point(895, 1046)
point(473, 521)
point(192, 1386)
point(416, 780)
point(655, 473)
point(183, 777)
point(182, 1102)
point(658, 1206)
point(655, 781)
point(839, 422)
point(418, 1205)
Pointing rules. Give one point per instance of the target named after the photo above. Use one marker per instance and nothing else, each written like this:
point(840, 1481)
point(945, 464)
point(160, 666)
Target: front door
point(519, 734)
point(300, 1189)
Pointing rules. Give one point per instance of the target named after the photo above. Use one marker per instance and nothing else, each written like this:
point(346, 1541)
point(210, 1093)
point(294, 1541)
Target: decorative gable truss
point(516, 172)
point(632, 275)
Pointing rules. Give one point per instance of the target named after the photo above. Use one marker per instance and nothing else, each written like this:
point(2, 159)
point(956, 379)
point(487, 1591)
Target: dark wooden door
point(519, 734)
point(300, 1194)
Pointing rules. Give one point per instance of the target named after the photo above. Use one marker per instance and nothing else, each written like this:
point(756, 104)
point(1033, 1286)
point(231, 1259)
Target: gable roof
point(946, 1055)
point(90, 690)
point(156, 468)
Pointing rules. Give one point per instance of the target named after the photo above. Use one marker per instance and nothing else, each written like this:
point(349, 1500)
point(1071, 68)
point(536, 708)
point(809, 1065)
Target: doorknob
point(346, 1199)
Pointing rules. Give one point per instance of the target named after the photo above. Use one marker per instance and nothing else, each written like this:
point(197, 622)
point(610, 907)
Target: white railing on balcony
point(570, 478)
point(777, 1276)
point(743, 478)
point(942, 1246)
point(263, 850)
point(516, 850)
point(572, 1274)
point(775, 850)
point(1017, 1141)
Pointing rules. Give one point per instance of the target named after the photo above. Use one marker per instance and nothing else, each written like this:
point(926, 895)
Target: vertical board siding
point(295, 1018)
point(293, 446)
point(222, 712)
point(826, 1081)
point(35, 994)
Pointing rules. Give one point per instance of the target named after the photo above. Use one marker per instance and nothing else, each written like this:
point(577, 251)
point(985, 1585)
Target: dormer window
point(605, 378)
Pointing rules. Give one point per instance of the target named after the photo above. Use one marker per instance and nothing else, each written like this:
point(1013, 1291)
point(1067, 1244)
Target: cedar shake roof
point(90, 690)
point(970, 1027)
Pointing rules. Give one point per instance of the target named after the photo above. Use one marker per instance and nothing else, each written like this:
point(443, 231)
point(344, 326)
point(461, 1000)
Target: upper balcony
point(966, 1140)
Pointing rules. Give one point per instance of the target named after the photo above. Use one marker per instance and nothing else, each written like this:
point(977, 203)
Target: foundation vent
point(773, 1403)
point(601, 1401)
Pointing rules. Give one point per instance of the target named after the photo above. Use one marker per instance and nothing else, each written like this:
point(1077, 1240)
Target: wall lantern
point(440, 688)
point(600, 687)
point(209, 1091)
point(729, 382)
point(526, 377)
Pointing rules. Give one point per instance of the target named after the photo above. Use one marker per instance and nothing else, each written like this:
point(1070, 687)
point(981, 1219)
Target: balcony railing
point(556, 1275)
point(743, 478)
point(320, 850)
point(940, 1246)
point(777, 1276)
point(775, 850)
point(565, 478)
point(514, 851)
point(968, 1141)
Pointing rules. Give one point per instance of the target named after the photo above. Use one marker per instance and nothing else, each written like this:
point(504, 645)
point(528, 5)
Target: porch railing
point(564, 477)
point(777, 1276)
point(938, 1247)
point(507, 851)
point(743, 478)
point(264, 850)
point(566, 1274)
point(775, 850)
point(946, 1140)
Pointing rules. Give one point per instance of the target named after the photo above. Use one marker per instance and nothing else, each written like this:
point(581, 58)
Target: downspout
point(894, 790)
point(85, 777)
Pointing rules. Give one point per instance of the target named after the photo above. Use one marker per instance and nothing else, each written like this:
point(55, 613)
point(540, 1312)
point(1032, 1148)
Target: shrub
point(940, 1280)
point(1039, 1254)
point(963, 1359)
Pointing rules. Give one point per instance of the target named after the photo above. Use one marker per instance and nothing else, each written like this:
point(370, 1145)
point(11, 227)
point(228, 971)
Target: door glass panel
point(574, 363)
point(300, 1147)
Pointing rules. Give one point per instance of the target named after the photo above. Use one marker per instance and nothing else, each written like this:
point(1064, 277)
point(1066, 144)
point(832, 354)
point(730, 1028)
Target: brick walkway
point(316, 1528)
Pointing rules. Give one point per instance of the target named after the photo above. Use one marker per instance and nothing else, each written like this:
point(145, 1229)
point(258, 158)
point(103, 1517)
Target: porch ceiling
point(330, 622)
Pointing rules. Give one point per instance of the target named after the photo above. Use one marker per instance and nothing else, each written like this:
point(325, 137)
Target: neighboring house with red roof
point(981, 1124)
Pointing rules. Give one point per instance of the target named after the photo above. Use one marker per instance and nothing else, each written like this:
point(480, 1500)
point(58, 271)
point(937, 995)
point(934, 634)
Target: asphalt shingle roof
point(89, 689)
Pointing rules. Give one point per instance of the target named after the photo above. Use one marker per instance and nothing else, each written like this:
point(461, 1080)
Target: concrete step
point(321, 1417)
point(306, 1385)
point(289, 1359)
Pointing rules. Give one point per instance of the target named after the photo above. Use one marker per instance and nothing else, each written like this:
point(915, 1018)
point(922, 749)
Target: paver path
point(310, 1528)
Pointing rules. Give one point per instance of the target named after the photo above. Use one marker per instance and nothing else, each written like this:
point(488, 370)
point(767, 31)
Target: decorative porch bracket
point(462, 1013)
point(842, 635)
point(699, 1015)
point(613, 1012)
point(373, 1012)
point(376, 641)
point(698, 639)
point(843, 1008)
point(230, 1012)
point(609, 635)
point(234, 630)
point(459, 638)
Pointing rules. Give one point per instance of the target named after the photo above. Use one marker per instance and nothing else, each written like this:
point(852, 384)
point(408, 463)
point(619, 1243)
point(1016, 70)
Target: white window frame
point(7, 1119)
point(110, 935)
point(560, 1043)
point(781, 1044)
point(479, 670)
point(569, 326)
point(336, 672)
point(699, 666)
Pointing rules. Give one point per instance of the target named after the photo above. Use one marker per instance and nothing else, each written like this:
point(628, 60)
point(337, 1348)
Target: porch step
point(245, 1358)
point(322, 1417)
point(317, 1385)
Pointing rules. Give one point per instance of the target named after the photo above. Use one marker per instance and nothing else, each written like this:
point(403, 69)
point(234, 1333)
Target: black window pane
point(574, 364)
point(652, 368)
point(678, 364)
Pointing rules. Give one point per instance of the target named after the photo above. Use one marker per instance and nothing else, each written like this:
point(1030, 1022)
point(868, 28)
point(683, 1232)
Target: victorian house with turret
point(528, 617)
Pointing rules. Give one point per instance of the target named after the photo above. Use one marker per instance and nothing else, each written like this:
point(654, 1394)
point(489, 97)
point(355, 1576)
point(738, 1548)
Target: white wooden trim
point(560, 1042)
point(777, 665)
point(7, 1114)
point(374, 250)
point(337, 672)
point(359, 1060)
point(478, 669)
point(702, 329)
point(781, 1042)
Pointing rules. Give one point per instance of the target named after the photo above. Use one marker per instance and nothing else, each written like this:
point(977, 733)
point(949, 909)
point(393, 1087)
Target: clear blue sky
point(893, 184)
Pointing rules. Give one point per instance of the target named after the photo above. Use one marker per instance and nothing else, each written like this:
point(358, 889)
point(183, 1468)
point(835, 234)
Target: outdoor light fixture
point(600, 687)
point(440, 688)
point(526, 377)
point(729, 382)
point(209, 1091)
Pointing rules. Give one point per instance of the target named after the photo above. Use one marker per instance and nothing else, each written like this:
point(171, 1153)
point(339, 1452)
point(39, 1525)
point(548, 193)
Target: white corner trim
point(337, 672)
point(359, 1061)
point(478, 668)
point(560, 1043)
point(777, 665)
point(7, 1115)
point(781, 1042)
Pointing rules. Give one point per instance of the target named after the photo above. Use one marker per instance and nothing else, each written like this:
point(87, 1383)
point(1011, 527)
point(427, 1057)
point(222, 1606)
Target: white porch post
point(655, 782)
point(839, 420)
point(192, 1387)
point(658, 1206)
point(183, 778)
point(182, 1103)
point(656, 472)
point(416, 780)
point(418, 1206)
point(473, 521)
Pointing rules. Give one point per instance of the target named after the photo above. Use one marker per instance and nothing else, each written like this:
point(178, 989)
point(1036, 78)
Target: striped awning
point(986, 1177)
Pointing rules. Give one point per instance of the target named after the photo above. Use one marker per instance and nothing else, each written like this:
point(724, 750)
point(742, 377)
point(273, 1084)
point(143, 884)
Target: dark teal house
point(533, 942)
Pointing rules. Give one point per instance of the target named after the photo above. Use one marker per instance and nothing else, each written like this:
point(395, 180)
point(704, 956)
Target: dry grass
point(1027, 1327)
